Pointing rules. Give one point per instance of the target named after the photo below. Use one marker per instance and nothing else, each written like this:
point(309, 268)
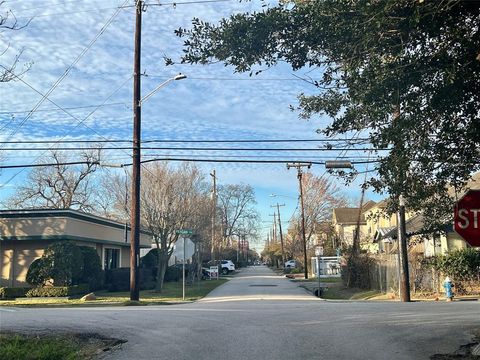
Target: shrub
point(173, 273)
point(37, 273)
point(150, 260)
point(462, 264)
point(55, 291)
point(92, 273)
point(119, 279)
point(67, 264)
point(12, 292)
point(64, 261)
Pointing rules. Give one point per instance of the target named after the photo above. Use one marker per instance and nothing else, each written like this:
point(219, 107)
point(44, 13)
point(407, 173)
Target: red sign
point(467, 217)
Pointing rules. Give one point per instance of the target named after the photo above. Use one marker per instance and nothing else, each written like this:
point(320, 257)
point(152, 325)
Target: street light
point(137, 113)
point(179, 76)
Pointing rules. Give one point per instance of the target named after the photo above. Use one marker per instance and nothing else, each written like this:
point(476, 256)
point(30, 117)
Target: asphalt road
point(258, 315)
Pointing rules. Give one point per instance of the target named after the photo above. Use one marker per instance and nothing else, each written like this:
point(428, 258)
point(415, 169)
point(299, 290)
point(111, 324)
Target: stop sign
point(467, 217)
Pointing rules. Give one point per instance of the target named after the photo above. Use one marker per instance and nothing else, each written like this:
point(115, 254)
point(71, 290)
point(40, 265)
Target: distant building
point(344, 222)
point(25, 234)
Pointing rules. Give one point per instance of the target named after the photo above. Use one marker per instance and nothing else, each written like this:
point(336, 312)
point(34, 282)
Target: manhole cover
point(264, 285)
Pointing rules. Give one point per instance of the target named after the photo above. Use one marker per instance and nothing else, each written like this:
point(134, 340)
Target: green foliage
point(368, 59)
point(12, 292)
point(67, 264)
point(37, 273)
point(22, 347)
point(64, 261)
point(55, 291)
point(173, 273)
point(461, 265)
point(92, 273)
point(356, 272)
point(119, 279)
point(150, 260)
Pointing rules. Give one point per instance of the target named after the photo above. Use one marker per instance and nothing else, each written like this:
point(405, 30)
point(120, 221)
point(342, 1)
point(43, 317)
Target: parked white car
point(291, 264)
point(227, 266)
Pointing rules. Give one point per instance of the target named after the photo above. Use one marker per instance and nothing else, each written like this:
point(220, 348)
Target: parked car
point(227, 266)
point(291, 264)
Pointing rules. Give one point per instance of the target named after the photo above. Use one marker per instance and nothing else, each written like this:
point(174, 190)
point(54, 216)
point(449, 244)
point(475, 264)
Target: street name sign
point(467, 217)
point(184, 232)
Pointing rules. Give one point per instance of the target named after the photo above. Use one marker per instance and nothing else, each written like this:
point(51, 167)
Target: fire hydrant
point(448, 286)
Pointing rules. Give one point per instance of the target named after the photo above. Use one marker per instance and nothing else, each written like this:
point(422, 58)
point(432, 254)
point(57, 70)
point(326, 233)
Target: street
point(260, 315)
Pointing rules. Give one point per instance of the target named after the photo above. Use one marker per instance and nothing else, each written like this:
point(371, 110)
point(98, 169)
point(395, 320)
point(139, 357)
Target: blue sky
point(213, 103)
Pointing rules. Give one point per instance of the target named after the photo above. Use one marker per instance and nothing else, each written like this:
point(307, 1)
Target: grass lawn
point(172, 292)
point(330, 280)
point(343, 293)
point(54, 347)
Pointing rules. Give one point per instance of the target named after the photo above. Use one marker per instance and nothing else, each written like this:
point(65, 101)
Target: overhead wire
point(66, 72)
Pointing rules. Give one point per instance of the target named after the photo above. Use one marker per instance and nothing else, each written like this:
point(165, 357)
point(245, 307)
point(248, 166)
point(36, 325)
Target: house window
point(111, 258)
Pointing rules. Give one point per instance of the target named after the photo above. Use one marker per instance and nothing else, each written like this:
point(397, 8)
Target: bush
point(37, 273)
point(462, 264)
point(56, 291)
point(173, 273)
point(119, 279)
point(92, 273)
point(357, 271)
point(67, 264)
point(12, 292)
point(150, 260)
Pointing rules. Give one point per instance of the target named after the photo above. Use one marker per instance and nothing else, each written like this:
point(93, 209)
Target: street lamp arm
point(154, 91)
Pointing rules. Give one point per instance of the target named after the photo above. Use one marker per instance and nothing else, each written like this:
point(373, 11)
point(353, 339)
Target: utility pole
point(214, 212)
point(137, 112)
point(299, 166)
point(403, 252)
point(280, 228)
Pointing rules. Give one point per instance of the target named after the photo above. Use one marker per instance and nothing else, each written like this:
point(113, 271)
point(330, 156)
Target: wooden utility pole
point(299, 166)
point(280, 229)
point(137, 112)
point(214, 211)
point(403, 252)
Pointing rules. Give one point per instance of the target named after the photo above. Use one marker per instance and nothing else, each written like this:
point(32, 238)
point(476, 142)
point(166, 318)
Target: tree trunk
point(161, 269)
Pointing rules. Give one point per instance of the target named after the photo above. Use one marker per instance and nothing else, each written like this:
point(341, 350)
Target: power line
point(169, 141)
point(47, 165)
point(241, 161)
point(67, 71)
point(66, 108)
point(184, 148)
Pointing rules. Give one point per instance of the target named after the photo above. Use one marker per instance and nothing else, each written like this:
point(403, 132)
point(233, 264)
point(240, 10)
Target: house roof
point(67, 213)
point(350, 215)
point(413, 226)
point(347, 215)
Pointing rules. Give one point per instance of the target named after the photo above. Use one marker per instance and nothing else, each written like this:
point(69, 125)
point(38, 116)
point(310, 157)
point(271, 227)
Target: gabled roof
point(350, 215)
point(346, 215)
point(413, 226)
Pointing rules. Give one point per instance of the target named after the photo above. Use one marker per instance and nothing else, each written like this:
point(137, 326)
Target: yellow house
point(344, 222)
point(24, 235)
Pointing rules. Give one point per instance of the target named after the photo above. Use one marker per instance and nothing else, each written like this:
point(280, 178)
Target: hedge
point(56, 291)
point(119, 279)
point(12, 292)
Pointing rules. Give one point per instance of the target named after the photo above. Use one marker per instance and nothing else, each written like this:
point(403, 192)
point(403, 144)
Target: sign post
point(319, 253)
point(183, 233)
point(467, 217)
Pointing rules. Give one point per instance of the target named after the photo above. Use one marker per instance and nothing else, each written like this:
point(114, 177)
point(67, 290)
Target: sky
point(81, 55)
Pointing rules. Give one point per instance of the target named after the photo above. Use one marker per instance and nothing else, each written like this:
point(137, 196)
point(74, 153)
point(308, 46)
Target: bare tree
point(59, 186)
point(237, 213)
point(171, 200)
point(8, 21)
point(321, 196)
